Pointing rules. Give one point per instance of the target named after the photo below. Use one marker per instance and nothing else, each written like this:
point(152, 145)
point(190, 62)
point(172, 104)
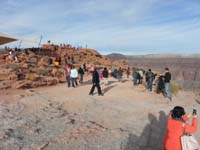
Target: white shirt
point(74, 73)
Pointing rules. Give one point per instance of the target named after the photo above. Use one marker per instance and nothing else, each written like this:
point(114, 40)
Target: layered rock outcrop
point(33, 68)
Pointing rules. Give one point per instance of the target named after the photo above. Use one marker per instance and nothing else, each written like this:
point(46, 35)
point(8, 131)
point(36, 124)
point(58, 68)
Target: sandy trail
point(127, 117)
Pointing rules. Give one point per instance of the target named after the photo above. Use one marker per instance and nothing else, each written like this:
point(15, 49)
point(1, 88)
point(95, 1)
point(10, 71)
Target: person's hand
point(189, 115)
point(194, 116)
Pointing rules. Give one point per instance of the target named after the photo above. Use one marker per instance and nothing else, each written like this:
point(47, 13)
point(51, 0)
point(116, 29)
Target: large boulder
point(25, 84)
point(51, 80)
point(5, 84)
point(4, 73)
point(13, 77)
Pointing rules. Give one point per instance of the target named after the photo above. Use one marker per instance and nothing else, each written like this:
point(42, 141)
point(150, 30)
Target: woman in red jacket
point(175, 128)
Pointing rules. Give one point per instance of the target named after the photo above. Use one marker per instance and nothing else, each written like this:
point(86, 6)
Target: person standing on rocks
point(167, 78)
point(149, 79)
point(59, 60)
point(65, 60)
point(95, 82)
point(74, 76)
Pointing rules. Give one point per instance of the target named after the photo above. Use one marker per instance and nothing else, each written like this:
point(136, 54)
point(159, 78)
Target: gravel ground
point(127, 117)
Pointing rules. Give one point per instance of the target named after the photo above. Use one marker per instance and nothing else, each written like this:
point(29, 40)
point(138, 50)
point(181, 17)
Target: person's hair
point(178, 112)
point(167, 69)
point(149, 69)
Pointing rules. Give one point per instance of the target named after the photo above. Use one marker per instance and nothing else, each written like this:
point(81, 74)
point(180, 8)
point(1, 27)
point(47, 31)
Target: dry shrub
point(97, 63)
point(33, 60)
point(13, 66)
point(43, 71)
point(32, 77)
point(43, 61)
point(174, 87)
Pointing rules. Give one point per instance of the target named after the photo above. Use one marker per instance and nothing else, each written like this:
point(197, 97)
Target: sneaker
point(90, 93)
point(101, 94)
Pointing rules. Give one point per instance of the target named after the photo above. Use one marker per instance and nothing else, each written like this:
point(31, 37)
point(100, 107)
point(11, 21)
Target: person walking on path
point(74, 75)
point(119, 74)
point(134, 74)
point(128, 72)
point(95, 82)
point(140, 72)
point(105, 76)
point(160, 85)
point(176, 126)
point(81, 73)
point(167, 78)
point(149, 79)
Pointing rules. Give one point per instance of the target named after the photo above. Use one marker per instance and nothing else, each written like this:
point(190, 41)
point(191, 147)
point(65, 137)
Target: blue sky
point(125, 26)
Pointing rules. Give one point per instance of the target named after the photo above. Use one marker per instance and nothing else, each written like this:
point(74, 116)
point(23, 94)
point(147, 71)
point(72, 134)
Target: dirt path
point(127, 117)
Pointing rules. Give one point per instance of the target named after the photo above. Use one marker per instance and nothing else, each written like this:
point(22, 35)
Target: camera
point(194, 112)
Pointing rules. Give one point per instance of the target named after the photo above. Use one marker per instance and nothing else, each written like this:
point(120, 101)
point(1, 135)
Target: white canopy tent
point(5, 38)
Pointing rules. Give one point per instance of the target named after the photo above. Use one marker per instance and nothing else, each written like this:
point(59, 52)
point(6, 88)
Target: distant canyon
point(185, 69)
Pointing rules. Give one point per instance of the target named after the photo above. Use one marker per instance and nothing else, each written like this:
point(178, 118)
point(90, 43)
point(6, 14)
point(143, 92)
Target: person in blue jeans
point(167, 79)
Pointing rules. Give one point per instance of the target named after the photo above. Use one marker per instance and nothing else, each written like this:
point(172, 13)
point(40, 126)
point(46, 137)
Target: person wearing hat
point(175, 128)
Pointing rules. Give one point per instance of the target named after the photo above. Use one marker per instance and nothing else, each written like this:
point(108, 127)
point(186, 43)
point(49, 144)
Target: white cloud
point(114, 24)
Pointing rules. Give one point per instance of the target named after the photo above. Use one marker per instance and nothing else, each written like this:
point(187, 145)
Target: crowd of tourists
point(161, 81)
point(176, 137)
point(101, 75)
point(72, 75)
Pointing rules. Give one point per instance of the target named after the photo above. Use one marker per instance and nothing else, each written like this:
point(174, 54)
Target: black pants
point(74, 81)
point(98, 88)
point(68, 81)
point(81, 78)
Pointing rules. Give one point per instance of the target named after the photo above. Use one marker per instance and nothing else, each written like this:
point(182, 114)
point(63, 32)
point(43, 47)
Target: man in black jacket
point(167, 79)
point(81, 73)
point(149, 79)
point(105, 76)
point(95, 82)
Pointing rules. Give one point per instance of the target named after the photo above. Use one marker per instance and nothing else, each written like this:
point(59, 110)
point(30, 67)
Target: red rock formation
point(33, 69)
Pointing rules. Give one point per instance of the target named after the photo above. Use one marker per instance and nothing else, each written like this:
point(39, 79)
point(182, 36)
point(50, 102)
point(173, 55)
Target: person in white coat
point(74, 76)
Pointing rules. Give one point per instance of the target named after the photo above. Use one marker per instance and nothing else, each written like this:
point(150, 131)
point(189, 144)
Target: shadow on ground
point(88, 82)
point(152, 136)
point(198, 101)
point(108, 88)
point(123, 81)
point(111, 82)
